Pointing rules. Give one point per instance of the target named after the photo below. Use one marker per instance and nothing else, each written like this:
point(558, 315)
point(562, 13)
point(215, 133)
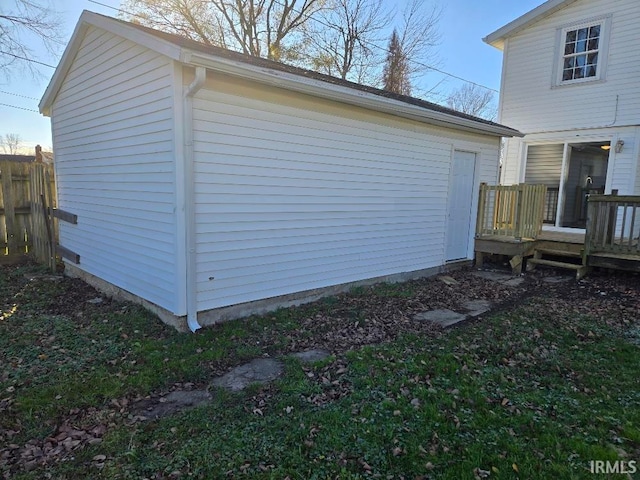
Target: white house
point(210, 185)
point(570, 83)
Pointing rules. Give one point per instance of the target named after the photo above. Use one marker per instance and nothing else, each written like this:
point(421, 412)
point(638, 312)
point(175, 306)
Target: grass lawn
point(537, 389)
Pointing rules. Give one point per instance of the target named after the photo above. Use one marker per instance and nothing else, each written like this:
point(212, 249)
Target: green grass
point(535, 392)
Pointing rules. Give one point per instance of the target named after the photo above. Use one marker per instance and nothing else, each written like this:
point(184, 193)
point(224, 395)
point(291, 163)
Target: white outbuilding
point(207, 184)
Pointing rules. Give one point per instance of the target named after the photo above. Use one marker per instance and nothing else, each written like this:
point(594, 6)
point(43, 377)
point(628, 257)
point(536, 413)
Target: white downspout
point(192, 301)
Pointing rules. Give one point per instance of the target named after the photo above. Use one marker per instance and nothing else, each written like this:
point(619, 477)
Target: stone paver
point(172, 403)
point(310, 356)
point(555, 279)
point(493, 276)
point(503, 278)
point(260, 370)
point(444, 318)
point(448, 280)
point(514, 282)
point(477, 307)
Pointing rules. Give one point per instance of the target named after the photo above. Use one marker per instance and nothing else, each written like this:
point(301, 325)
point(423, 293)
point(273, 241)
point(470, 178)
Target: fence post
point(9, 208)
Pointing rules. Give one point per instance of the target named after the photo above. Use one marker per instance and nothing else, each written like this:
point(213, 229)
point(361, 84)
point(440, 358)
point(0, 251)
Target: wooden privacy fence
point(512, 211)
point(613, 225)
point(27, 202)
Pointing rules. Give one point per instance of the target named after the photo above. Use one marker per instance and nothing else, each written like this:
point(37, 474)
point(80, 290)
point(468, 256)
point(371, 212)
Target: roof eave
point(344, 94)
point(497, 38)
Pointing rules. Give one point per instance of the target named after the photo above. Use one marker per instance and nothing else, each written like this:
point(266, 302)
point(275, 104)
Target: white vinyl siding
point(294, 193)
point(112, 124)
point(544, 164)
point(511, 161)
point(531, 103)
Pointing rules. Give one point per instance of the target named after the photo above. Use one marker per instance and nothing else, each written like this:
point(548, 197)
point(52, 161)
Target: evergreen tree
point(395, 76)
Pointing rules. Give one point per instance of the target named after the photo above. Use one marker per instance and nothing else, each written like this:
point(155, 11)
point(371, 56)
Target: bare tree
point(419, 36)
point(342, 38)
point(473, 100)
point(22, 21)
point(261, 28)
point(395, 76)
point(345, 38)
point(10, 143)
point(192, 19)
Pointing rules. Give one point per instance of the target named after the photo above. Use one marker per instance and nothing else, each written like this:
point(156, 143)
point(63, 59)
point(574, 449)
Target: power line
point(317, 20)
point(18, 95)
point(309, 17)
point(26, 59)
point(115, 8)
point(19, 108)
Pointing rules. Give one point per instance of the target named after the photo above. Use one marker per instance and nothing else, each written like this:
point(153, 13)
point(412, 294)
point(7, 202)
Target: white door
point(460, 202)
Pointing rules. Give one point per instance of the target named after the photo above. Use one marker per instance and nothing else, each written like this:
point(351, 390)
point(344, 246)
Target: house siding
point(295, 193)
point(605, 110)
point(544, 164)
point(112, 123)
point(531, 103)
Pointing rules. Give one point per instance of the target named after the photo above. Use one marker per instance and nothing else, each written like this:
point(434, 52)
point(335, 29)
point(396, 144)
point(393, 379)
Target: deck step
point(553, 263)
point(559, 253)
point(581, 270)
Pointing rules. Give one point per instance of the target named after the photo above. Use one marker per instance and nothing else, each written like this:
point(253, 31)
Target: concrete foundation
point(258, 307)
point(117, 293)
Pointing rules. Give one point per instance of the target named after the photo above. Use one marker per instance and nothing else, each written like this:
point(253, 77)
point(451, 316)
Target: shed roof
point(548, 8)
point(195, 53)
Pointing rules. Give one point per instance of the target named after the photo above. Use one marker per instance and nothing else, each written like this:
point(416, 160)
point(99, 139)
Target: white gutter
point(192, 301)
point(340, 93)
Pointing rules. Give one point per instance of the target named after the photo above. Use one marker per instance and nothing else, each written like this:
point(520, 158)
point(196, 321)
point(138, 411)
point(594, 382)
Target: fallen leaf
point(479, 474)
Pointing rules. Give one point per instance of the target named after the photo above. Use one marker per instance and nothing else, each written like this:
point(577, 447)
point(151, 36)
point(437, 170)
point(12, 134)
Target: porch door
point(460, 202)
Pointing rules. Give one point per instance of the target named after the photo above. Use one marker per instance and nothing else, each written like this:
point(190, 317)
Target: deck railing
point(613, 225)
point(551, 205)
point(513, 211)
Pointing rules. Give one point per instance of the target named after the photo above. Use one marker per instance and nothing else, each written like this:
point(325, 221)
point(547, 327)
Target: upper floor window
point(581, 49)
point(582, 52)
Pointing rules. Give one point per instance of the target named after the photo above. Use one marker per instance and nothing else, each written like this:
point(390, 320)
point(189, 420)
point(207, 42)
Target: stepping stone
point(444, 318)
point(172, 403)
point(503, 278)
point(514, 282)
point(260, 370)
point(477, 307)
point(448, 280)
point(493, 276)
point(557, 279)
point(311, 356)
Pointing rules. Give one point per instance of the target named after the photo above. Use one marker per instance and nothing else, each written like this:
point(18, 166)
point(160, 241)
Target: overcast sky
point(462, 52)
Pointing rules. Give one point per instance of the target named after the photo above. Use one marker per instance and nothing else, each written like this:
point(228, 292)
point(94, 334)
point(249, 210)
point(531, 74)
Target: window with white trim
point(581, 49)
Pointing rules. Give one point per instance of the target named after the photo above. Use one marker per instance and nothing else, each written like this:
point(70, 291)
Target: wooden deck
point(557, 245)
point(563, 237)
point(510, 222)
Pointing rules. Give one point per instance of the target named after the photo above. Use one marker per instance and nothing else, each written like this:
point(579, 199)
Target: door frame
point(473, 207)
point(564, 170)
